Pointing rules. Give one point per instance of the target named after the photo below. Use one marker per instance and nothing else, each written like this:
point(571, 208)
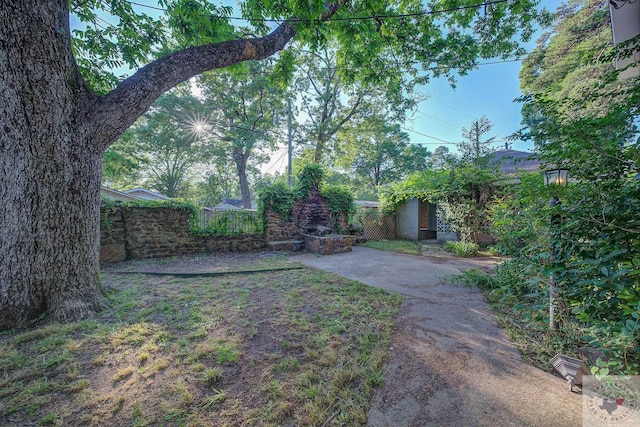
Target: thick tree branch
point(116, 111)
point(345, 119)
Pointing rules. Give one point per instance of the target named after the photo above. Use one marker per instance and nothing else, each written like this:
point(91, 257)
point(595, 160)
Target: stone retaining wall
point(328, 245)
point(137, 232)
point(278, 230)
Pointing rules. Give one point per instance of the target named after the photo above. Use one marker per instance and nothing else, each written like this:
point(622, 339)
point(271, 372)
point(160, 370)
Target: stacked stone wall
point(278, 230)
point(311, 212)
point(137, 232)
point(112, 236)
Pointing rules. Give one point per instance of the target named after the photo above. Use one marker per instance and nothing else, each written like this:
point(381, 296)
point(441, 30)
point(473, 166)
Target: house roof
point(143, 193)
point(511, 161)
point(110, 193)
point(225, 207)
point(238, 203)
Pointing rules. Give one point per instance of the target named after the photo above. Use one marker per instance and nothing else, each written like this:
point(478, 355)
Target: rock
point(321, 230)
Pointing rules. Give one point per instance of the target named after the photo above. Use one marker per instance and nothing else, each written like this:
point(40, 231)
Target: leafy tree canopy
point(376, 41)
point(168, 142)
point(379, 152)
point(572, 66)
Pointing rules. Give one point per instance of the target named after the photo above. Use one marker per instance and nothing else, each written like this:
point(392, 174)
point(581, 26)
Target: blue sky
point(490, 90)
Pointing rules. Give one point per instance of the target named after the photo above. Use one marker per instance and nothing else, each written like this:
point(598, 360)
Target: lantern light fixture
point(556, 177)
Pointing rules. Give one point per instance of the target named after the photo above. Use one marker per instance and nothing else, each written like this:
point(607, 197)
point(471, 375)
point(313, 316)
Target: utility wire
point(429, 136)
point(278, 163)
point(440, 120)
point(350, 18)
point(453, 108)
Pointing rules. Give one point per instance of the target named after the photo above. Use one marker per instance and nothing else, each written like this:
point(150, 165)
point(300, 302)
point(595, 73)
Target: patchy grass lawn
point(394, 245)
point(295, 347)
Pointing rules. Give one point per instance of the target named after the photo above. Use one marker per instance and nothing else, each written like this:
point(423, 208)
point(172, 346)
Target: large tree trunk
point(240, 159)
point(49, 173)
point(53, 132)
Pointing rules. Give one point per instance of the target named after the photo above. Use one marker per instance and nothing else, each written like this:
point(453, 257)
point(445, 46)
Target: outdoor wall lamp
point(554, 177)
point(571, 369)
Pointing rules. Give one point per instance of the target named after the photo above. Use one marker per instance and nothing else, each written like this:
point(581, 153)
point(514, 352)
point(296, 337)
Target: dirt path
point(450, 364)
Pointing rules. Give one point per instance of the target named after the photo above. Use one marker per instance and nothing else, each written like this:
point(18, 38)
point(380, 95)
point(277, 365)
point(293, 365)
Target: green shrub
point(462, 249)
point(475, 278)
point(339, 199)
point(281, 199)
point(235, 222)
point(277, 198)
point(310, 176)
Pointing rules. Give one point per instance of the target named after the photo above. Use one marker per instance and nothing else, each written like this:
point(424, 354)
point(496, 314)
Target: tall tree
point(170, 138)
point(219, 183)
point(440, 157)
point(473, 148)
point(325, 99)
point(244, 104)
point(379, 152)
point(61, 108)
point(568, 76)
point(121, 167)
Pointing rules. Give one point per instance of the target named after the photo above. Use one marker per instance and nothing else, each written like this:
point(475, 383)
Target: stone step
point(286, 245)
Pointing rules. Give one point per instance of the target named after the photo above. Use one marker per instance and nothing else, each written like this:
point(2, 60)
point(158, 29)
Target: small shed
point(417, 220)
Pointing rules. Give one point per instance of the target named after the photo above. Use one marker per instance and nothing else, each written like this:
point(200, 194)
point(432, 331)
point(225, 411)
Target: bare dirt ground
point(450, 364)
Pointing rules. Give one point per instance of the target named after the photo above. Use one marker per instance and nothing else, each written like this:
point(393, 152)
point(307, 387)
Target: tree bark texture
point(240, 159)
point(53, 132)
point(49, 171)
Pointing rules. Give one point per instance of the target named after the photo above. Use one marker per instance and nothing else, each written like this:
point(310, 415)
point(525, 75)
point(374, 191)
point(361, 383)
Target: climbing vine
point(281, 199)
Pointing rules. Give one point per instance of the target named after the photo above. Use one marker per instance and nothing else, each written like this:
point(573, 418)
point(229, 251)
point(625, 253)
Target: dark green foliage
point(339, 198)
point(232, 223)
point(582, 118)
point(281, 199)
point(278, 198)
point(521, 215)
point(475, 278)
point(375, 151)
point(462, 249)
point(310, 177)
point(164, 144)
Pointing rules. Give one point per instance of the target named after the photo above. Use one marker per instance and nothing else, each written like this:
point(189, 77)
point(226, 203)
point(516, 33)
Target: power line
point(453, 108)
point(440, 120)
point(148, 6)
point(278, 163)
point(348, 18)
point(429, 136)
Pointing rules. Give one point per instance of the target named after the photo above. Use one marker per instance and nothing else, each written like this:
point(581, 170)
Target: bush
point(339, 199)
point(462, 249)
point(281, 199)
point(475, 278)
point(277, 198)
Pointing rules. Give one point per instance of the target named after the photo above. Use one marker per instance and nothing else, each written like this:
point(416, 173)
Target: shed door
point(426, 219)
